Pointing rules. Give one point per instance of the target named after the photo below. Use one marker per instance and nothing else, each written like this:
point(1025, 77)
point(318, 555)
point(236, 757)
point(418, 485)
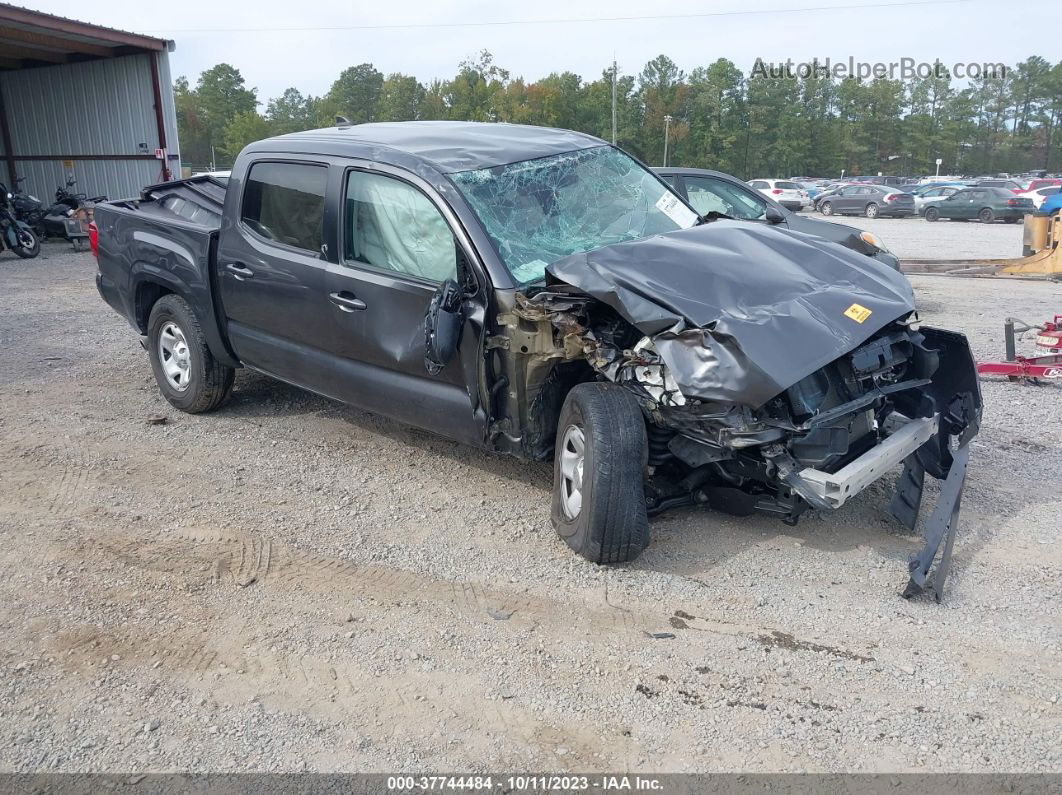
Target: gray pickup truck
point(540, 293)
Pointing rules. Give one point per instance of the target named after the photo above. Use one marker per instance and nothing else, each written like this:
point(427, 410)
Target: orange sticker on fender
point(857, 312)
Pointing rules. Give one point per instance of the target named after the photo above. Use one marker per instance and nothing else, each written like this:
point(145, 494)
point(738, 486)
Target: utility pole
point(667, 130)
point(615, 74)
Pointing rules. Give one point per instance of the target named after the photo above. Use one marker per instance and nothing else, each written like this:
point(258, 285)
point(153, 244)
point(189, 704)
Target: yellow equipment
point(1041, 255)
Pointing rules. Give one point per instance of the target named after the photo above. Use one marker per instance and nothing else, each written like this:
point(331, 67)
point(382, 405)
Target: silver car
point(924, 196)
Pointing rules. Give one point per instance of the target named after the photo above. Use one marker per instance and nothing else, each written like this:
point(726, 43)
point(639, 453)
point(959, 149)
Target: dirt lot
point(290, 584)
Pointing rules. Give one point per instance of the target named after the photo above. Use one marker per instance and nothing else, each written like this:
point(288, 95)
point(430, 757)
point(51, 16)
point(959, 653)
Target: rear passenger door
point(272, 271)
point(397, 246)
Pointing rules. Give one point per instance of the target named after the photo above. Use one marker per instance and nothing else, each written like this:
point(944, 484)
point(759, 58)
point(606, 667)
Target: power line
point(569, 21)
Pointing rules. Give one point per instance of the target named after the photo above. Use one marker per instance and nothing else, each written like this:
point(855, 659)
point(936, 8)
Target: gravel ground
point(289, 584)
point(918, 238)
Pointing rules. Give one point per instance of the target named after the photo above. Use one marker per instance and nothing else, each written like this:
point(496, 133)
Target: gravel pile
point(289, 584)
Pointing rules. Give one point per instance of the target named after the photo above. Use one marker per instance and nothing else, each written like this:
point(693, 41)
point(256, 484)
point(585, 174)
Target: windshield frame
point(488, 238)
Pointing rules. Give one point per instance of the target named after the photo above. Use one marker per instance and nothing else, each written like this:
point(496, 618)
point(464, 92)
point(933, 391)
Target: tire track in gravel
point(49, 479)
point(245, 560)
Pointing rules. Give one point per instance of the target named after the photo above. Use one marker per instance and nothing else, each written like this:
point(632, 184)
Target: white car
point(786, 192)
point(1040, 194)
point(922, 197)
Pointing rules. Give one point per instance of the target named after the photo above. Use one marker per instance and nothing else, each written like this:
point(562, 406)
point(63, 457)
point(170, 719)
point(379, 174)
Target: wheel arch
point(149, 284)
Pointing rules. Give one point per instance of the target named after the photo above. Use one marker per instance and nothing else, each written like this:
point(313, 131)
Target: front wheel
point(599, 474)
point(932, 214)
point(826, 208)
point(871, 210)
point(188, 375)
point(986, 216)
point(29, 245)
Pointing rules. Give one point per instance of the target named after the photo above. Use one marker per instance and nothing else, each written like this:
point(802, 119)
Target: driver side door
point(397, 247)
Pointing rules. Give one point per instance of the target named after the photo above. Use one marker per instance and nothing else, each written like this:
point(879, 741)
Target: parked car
point(1038, 195)
point(713, 192)
point(869, 200)
point(930, 193)
point(984, 204)
point(1040, 182)
point(787, 193)
point(540, 293)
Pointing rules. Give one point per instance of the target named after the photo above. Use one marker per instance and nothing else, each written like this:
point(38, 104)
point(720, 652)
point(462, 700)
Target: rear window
point(284, 203)
point(787, 185)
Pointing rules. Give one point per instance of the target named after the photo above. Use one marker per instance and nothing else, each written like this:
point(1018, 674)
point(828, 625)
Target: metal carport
point(85, 100)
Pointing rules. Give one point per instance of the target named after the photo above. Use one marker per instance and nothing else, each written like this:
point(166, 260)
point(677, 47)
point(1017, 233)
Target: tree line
point(715, 116)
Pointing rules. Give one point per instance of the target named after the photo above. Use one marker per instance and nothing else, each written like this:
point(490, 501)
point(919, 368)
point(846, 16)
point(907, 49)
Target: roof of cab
point(448, 146)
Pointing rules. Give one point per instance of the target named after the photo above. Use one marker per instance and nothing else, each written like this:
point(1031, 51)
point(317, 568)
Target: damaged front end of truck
point(776, 373)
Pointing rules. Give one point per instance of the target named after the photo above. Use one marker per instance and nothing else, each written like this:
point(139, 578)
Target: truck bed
point(163, 241)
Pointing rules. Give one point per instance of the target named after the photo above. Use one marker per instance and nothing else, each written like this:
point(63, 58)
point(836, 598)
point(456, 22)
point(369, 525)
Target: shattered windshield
point(537, 211)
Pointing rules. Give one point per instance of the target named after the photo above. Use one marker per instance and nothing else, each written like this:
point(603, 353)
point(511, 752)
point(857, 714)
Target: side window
point(707, 194)
point(284, 203)
point(391, 225)
point(852, 191)
point(758, 184)
point(668, 178)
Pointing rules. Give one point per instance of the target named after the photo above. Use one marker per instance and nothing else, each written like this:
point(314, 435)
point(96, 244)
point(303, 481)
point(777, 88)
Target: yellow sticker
point(857, 312)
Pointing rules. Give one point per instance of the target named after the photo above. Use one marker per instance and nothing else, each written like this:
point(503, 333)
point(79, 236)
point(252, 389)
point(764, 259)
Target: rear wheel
point(599, 474)
point(932, 214)
point(188, 375)
point(986, 216)
point(826, 208)
point(871, 210)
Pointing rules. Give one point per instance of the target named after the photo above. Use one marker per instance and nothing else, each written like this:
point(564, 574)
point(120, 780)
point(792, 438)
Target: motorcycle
point(55, 221)
point(15, 234)
point(28, 208)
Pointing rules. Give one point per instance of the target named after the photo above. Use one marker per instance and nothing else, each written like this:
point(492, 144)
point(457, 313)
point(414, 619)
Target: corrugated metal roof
point(86, 31)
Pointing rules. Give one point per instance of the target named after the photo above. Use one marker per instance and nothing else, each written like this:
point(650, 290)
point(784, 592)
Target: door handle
point(346, 301)
point(240, 271)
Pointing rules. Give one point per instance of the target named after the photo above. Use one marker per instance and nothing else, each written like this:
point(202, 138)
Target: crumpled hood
point(739, 311)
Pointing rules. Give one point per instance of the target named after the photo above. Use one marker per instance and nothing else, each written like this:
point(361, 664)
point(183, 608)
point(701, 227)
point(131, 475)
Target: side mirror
point(773, 215)
point(442, 326)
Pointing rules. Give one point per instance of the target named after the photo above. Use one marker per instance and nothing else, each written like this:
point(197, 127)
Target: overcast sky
point(272, 60)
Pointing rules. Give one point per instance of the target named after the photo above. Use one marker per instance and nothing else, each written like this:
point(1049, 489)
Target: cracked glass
point(538, 211)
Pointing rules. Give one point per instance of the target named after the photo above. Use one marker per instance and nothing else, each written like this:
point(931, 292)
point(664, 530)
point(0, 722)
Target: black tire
point(209, 382)
point(30, 250)
point(932, 214)
point(826, 208)
point(986, 216)
point(871, 210)
point(611, 526)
